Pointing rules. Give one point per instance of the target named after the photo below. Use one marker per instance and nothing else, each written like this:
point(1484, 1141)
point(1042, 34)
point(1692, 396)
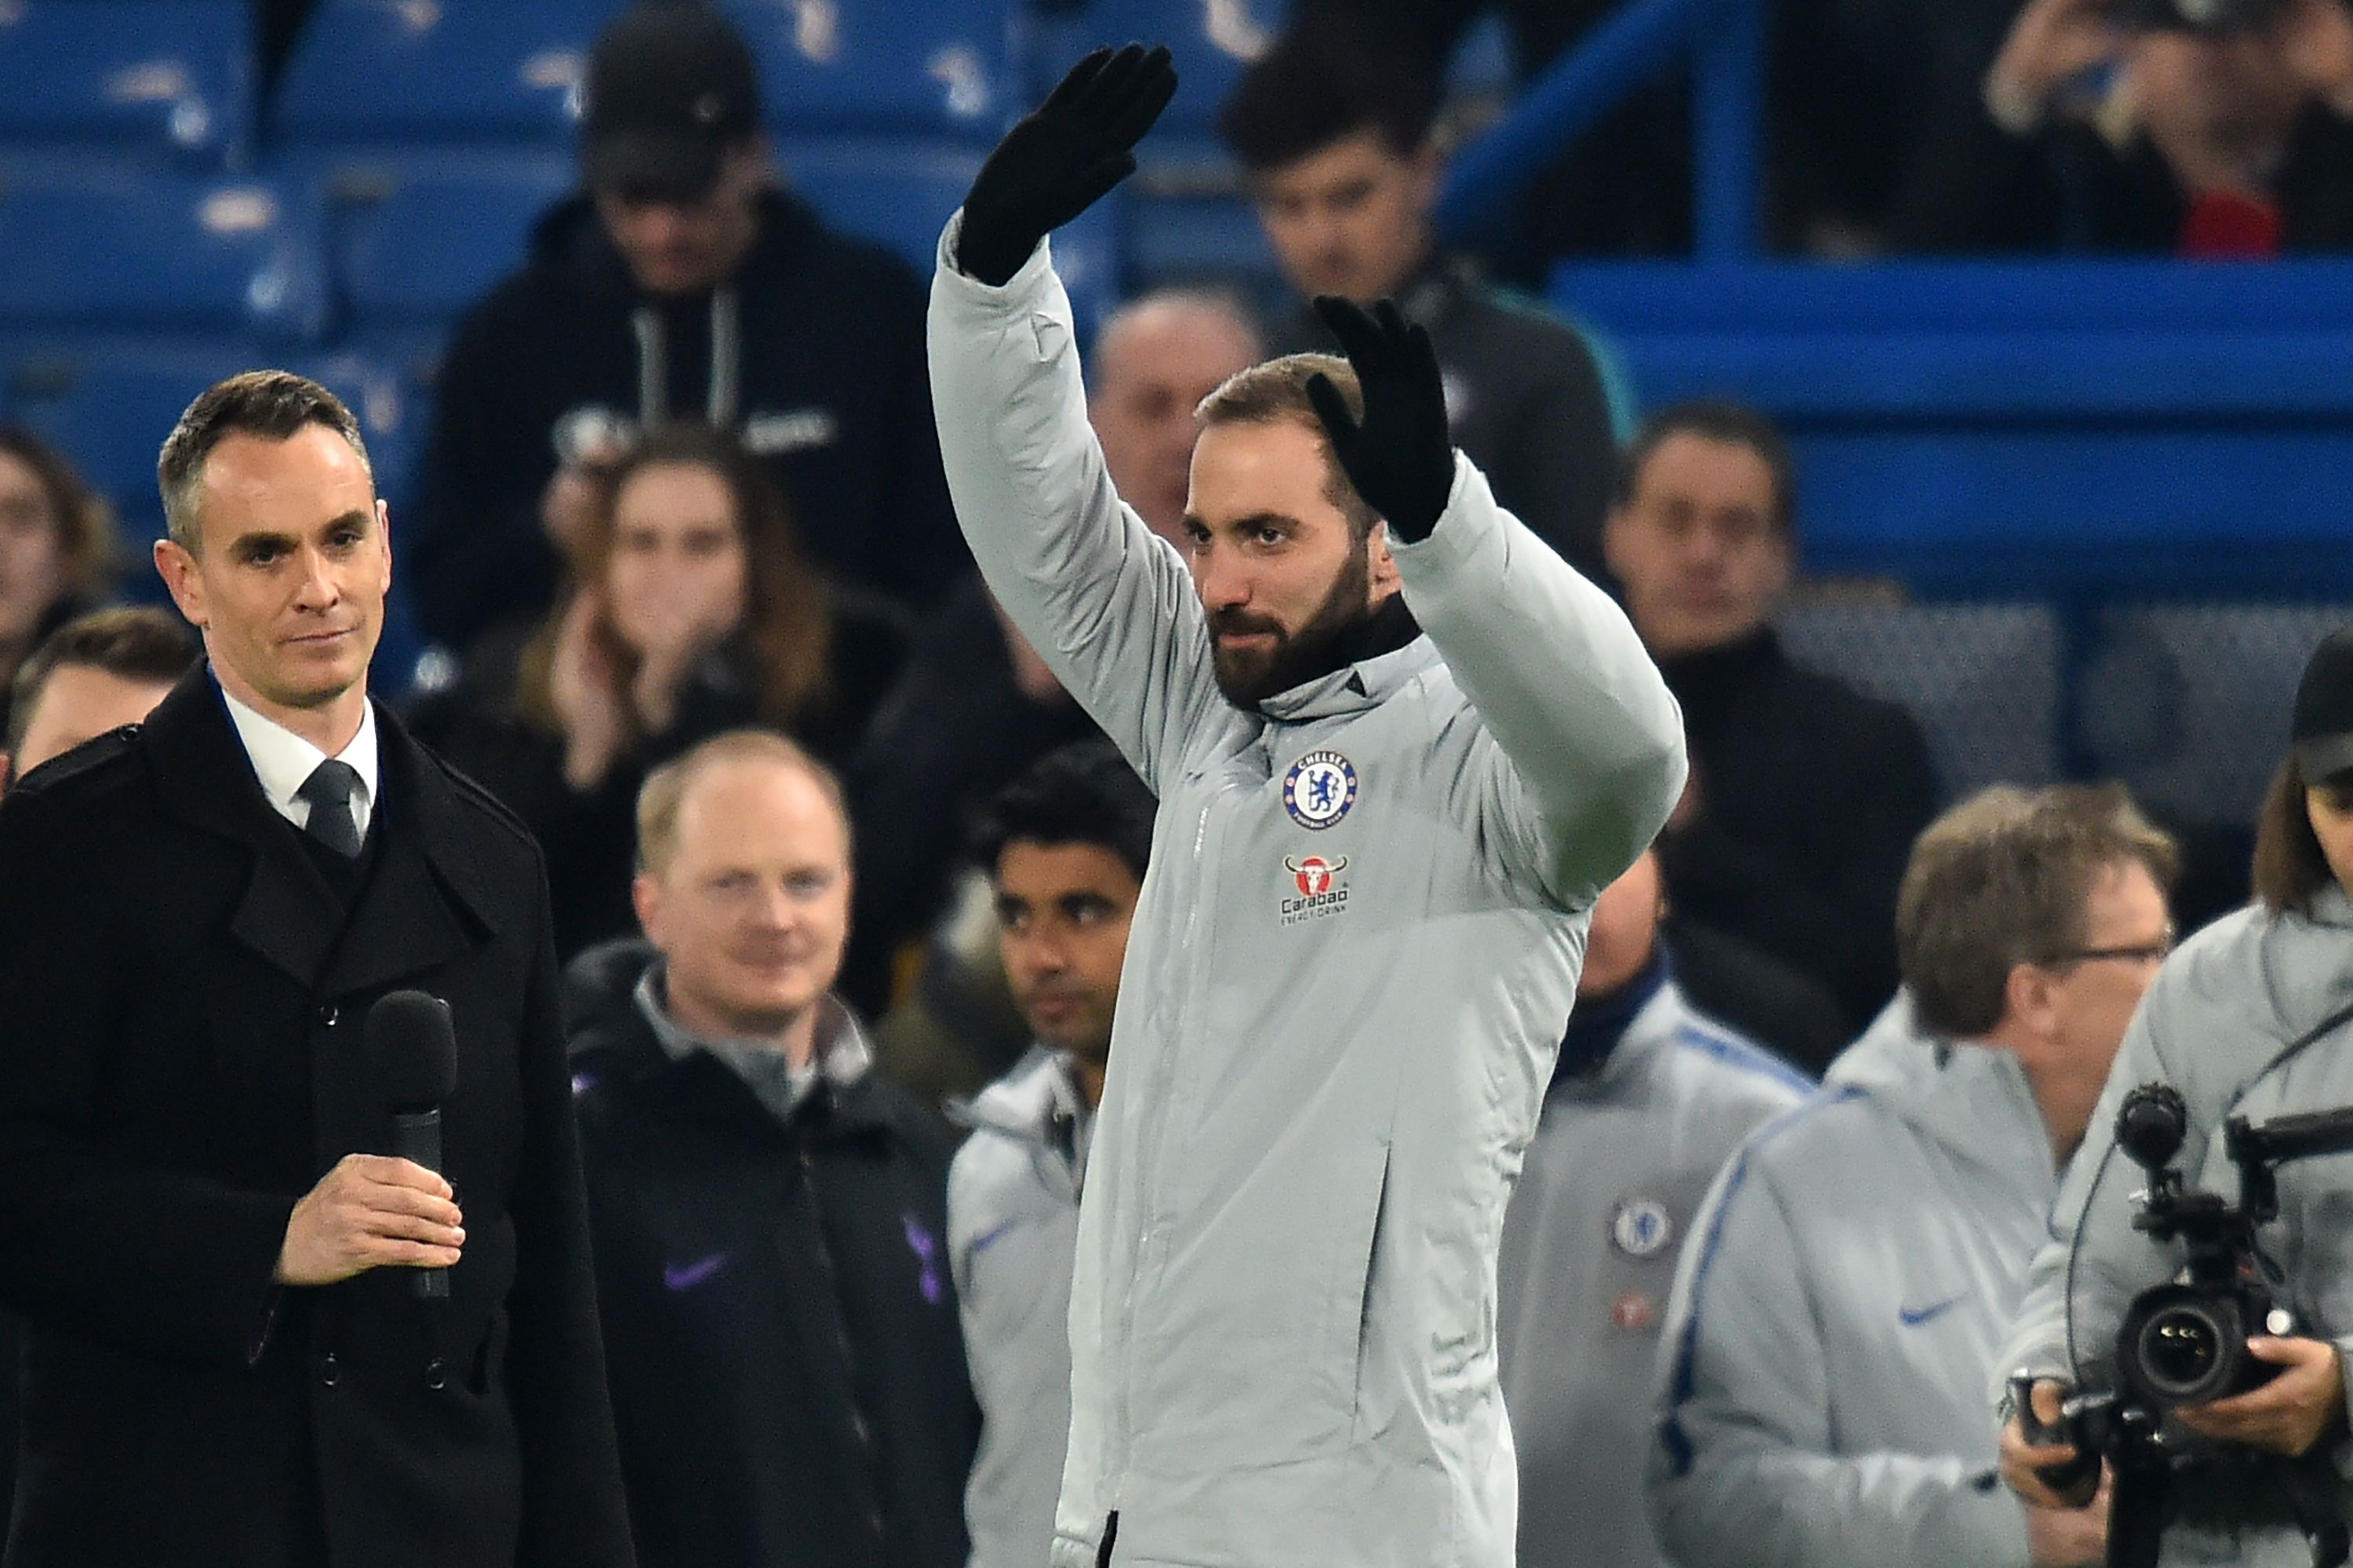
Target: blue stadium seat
point(415, 240)
point(1212, 41)
point(440, 71)
point(900, 193)
point(172, 77)
point(1982, 678)
point(106, 247)
point(886, 67)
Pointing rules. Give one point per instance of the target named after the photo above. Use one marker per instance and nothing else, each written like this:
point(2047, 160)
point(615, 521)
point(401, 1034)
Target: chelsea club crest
point(1319, 789)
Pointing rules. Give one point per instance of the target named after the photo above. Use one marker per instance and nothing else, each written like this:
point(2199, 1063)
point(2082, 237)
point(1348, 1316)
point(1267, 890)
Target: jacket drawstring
point(653, 367)
point(721, 401)
point(726, 359)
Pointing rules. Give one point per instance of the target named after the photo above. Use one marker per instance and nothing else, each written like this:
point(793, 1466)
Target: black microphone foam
point(412, 1048)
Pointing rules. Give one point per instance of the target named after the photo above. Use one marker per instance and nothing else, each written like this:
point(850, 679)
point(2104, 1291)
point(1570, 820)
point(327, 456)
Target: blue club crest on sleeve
point(1319, 789)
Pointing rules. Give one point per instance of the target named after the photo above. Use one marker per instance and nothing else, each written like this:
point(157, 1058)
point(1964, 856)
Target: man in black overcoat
point(226, 1358)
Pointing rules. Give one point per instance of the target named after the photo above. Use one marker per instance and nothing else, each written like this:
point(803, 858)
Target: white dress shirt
point(282, 760)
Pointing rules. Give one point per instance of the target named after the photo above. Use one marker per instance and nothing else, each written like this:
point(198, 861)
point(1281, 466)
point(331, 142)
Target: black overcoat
point(181, 1002)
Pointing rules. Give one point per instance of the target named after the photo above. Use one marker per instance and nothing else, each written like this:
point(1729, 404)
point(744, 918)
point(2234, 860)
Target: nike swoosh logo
point(686, 1275)
point(981, 1242)
point(1914, 1316)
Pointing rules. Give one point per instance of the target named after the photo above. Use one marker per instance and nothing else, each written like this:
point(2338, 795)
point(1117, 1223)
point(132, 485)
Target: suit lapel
point(426, 902)
point(288, 915)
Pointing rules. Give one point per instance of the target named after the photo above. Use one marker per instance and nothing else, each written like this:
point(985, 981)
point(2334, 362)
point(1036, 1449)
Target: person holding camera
point(2252, 1019)
point(2199, 128)
point(1840, 1303)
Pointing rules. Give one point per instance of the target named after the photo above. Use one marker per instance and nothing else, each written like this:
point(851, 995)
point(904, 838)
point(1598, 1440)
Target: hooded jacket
point(812, 353)
point(2217, 1025)
point(788, 1384)
point(1345, 983)
point(1013, 1227)
point(1838, 1317)
point(1629, 1143)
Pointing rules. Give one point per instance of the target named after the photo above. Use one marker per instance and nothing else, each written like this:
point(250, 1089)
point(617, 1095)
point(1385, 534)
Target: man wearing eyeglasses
point(1843, 1302)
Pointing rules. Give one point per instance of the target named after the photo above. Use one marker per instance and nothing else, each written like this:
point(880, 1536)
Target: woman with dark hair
point(689, 610)
point(2253, 1017)
point(58, 549)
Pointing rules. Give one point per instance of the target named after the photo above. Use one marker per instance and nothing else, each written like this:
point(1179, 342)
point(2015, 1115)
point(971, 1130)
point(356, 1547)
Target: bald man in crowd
point(1155, 359)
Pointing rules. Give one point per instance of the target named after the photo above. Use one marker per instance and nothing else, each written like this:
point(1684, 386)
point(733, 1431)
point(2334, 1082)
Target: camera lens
point(2179, 1348)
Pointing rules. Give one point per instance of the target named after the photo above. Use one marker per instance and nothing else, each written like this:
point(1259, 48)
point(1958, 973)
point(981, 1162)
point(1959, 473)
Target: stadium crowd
point(842, 876)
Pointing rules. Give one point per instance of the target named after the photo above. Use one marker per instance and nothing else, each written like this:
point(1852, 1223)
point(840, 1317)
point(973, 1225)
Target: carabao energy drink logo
point(1320, 891)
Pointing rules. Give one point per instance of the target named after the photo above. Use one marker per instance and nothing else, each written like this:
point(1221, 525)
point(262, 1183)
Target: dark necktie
point(333, 789)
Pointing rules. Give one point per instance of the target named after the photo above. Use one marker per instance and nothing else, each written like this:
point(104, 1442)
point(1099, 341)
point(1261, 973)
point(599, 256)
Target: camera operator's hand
point(2313, 41)
point(2286, 1416)
point(2021, 1461)
point(1061, 159)
point(2070, 1537)
point(1401, 458)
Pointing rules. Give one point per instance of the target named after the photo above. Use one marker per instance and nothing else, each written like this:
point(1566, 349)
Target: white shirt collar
point(282, 760)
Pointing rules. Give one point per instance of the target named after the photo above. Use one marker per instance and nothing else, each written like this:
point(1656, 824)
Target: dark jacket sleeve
point(92, 1241)
point(1560, 455)
point(1833, 921)
point(572, 1512)
point(476, 552)
point(926, 551)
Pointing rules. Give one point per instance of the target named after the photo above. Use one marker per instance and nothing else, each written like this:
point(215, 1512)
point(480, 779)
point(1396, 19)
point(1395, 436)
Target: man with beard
point(1400, 746)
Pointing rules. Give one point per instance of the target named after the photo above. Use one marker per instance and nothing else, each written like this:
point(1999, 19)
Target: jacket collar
point(1028, 1102)
point(1973, 1098)
point(1365, 682)
point(426, 902)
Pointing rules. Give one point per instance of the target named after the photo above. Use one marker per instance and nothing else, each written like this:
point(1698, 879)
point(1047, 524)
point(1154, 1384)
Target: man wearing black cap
point(680, 283)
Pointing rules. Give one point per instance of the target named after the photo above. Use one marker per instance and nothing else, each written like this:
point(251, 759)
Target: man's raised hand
point(1063, 158)
point(1401, 458)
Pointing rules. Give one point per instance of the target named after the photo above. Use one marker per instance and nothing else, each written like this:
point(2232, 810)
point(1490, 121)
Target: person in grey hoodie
point(1836, 1322)
point(2254, 1017)
point(1066, 846)
point(1650, 1099)
point(1400, 746)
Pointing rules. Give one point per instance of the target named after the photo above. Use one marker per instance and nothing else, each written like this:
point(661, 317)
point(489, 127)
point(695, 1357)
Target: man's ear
point(645, 898)
point(1381, 571)
point(177, 567)
point(2026, 998)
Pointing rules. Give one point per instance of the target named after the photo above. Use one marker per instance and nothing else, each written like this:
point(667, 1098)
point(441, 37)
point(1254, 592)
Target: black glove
point(1063, 158)
point(1400, 459)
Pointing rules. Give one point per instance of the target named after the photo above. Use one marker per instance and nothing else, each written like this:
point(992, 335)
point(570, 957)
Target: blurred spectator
point(95, 674)
point(769, 1216)
point(1791, 1014)
point(1858, 1263)
point(1335, 140)
point(692, 611)
point(1155, 359)
point(1647, 1102)
point(1844, 81)
point(56, 547)
point(1066, 846)
point(2124, 126)
point(1804, 796)
point(681, 283)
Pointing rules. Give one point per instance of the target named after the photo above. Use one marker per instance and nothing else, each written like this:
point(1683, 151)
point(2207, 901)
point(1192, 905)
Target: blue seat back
point(415, 239)
point(167, 76)
point(109, 248)
point(883, 67)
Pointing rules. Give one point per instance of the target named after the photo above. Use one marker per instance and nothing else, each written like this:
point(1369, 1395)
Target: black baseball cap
point(2324, 709)
point(670, 88)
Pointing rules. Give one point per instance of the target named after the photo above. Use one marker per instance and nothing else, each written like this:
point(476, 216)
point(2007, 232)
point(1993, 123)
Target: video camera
point(2184, 1342)
point(2200, 16)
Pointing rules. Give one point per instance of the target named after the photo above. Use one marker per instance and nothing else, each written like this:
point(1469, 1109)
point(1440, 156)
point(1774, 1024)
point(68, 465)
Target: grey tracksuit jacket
point(1621, 1161)
point(1013, 1227)
point(1839, 1313)
point(2220, 1013)
point(1346, 983)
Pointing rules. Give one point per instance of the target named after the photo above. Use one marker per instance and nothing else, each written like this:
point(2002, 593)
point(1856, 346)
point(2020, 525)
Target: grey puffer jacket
point(1345, 986)
point(2216, 1025)
point(1839, 1311)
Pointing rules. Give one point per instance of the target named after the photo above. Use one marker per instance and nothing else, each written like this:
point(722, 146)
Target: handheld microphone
point(411, 1049)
